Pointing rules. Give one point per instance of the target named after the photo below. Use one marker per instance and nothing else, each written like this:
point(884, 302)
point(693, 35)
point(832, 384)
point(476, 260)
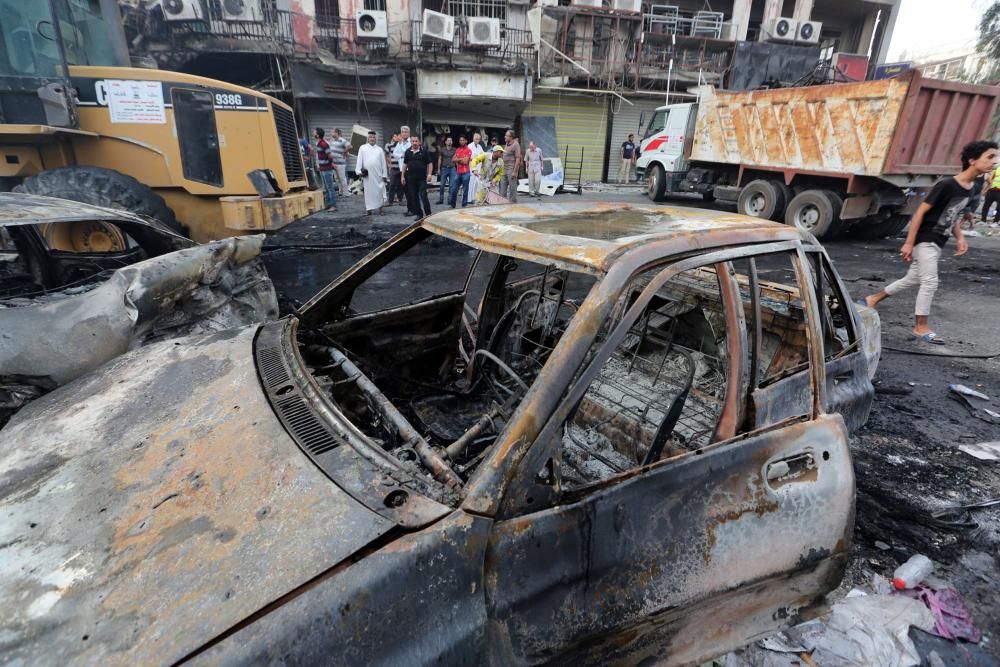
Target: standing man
point(371, 168)
point(628, 160)
point(511, 167)
point(416, 174)
point(446, 168)
point(938, 215)
point(324, 163)
point(992, 196)
point(340, 149)
point(398, 152)
point(463, 158)
point(533, 165)
point(475, 167)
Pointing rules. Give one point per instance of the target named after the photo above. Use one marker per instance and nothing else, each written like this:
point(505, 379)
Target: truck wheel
point(656, 182)
point(816, 212)
point(761, 199)
point(101, 187)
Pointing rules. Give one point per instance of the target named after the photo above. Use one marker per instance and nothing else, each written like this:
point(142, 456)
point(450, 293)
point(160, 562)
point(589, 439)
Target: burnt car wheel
point(101, 187)
point(762, 199)
point(656, 182)
point(85, 236)
point(816, 212)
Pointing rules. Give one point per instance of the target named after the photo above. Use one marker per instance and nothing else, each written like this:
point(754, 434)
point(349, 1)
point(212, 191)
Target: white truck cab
point(665, 151)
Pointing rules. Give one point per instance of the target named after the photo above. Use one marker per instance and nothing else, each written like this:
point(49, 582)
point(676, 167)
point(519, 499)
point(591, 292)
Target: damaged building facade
point(576, 76)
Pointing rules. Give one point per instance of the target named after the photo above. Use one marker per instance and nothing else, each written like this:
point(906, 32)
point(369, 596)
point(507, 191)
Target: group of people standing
point(472, 172)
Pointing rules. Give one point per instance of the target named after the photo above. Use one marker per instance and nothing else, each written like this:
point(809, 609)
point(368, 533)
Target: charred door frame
point(503, 481)
point(594, 557)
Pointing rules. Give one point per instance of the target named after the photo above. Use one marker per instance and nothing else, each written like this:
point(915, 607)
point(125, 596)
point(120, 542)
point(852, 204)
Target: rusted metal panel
point(156, 503)
point(904, 125)
point(938, 118)
point(844, 128)
point(417, 601)
point(682, 532)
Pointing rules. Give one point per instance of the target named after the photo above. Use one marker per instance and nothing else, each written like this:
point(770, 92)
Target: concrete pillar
point(772, 10)
point(803, 10)
point(740, 20)
point(890, 24)
point(867, 31)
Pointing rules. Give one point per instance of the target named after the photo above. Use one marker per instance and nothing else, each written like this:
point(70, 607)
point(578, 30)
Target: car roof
point(592, 236)
point(20, 208)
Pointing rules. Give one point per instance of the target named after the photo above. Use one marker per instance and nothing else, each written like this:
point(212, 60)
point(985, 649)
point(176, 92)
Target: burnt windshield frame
point(197, 135)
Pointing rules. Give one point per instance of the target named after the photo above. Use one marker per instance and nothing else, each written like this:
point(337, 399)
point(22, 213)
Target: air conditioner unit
point(586, 3)
point(634, 6)
point(808, 32)
point(781, 30)
point(438, 27)
point(243, 11)
point(182, 10)
point(372, 25)
point(483, 32)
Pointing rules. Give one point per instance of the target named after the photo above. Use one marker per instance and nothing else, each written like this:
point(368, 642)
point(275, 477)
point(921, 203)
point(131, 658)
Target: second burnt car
point(621, 435)
point(81, 284)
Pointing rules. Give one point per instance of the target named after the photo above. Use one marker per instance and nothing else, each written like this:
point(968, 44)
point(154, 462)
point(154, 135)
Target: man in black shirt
point(416, 174)
point(628, 156)
point(939, 216)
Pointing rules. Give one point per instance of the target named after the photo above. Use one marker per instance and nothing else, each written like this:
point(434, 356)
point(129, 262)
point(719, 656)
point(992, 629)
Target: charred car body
point(81, 284)
point(622, 435)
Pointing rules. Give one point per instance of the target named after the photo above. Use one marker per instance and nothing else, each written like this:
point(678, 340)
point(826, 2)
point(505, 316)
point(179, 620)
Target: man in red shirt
point(463, 156)
point(324, 161)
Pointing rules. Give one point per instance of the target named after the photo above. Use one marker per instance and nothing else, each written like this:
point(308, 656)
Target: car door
point(689, 554)
point(849, 390)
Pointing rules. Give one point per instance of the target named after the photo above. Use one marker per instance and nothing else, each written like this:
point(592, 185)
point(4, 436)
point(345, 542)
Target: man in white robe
point(371, 166)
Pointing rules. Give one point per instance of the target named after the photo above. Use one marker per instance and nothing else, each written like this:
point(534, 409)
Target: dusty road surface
point(907, 457)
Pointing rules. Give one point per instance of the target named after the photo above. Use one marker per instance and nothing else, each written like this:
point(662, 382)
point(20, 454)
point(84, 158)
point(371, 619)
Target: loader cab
point(38, 42)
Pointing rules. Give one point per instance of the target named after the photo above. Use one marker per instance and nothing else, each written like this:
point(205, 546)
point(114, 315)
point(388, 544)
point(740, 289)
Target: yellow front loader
point(176, 147)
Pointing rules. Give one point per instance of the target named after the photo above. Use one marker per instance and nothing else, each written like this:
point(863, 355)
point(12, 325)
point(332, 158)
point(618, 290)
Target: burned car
point(616, 434)
point(81, 284)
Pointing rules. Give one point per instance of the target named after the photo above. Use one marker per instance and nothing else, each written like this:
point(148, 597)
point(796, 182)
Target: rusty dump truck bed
point(909, 125)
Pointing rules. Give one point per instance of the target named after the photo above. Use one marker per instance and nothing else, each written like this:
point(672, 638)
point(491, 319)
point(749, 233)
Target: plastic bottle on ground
point(912, 572)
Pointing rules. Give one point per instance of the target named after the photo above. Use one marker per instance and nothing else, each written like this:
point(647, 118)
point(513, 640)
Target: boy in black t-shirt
point(939, 216)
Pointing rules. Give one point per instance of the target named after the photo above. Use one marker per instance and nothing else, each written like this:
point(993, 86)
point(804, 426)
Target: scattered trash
point(984, 451)
point(952, 619)
point(962, 389)
point(882, 546)
point(912, 572)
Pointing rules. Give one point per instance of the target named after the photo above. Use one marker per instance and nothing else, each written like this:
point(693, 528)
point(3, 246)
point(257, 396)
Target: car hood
point(156, 503)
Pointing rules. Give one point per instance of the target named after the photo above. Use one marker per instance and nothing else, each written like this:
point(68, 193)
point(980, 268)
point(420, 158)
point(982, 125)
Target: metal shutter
point(581, 120)
point(625, 119)
point(323, 115)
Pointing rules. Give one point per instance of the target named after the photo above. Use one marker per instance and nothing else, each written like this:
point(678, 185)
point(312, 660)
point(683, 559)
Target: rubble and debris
point(917, 568)
point(984, 451)
point(952, 619)
point(962, 389)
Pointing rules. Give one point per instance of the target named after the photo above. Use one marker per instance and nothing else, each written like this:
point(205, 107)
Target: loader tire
point(101, 187)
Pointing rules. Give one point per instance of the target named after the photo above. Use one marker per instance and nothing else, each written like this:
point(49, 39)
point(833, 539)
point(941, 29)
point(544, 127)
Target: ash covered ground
point(907, 458)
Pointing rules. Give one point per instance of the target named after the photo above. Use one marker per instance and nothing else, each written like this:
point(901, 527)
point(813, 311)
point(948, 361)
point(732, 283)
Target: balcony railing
point(274, 27)
point(514, 46)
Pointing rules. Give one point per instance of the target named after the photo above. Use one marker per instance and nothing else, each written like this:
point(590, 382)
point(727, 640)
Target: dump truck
point(828, 159)
point(205, 157)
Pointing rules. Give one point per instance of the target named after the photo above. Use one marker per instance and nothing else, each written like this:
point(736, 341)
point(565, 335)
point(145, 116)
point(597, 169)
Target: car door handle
point(843, 377)
point(800, 467)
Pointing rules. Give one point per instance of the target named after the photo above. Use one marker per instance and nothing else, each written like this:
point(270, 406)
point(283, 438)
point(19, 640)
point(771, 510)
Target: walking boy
point(938, 215)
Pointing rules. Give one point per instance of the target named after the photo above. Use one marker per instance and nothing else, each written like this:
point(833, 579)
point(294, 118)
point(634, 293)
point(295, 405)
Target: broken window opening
point(661, 391)
point(448, 360)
